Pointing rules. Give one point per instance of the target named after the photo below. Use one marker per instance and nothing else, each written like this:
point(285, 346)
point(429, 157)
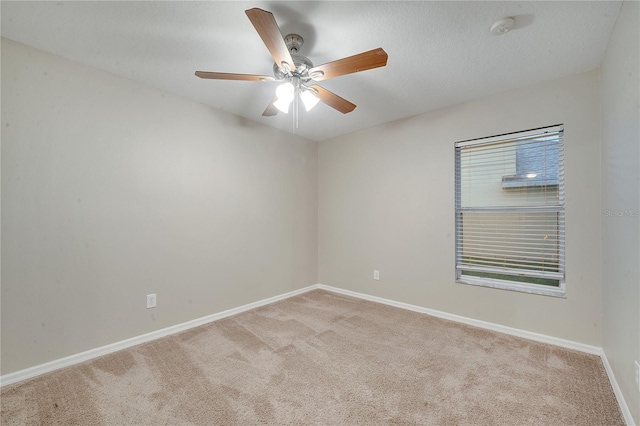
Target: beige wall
point(386, 202)
point(112, 190)
point(621, 201)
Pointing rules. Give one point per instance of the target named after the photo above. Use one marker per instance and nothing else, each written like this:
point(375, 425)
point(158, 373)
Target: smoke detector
point(502, 26)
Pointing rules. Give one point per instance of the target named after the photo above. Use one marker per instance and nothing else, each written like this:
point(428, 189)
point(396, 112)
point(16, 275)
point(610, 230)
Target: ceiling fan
point(297, 73)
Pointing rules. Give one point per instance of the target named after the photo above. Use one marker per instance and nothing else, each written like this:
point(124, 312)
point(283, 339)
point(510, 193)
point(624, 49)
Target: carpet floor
point(324, 358)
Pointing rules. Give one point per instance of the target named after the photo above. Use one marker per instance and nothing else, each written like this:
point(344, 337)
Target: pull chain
point(295, 107)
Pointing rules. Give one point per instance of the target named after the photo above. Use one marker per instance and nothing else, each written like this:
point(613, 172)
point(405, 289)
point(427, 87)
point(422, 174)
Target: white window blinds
point(510, 211)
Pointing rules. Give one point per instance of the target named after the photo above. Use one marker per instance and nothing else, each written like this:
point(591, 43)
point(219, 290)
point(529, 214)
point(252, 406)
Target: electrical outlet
point(638, 376)
point(376, 274)
point(151, 300)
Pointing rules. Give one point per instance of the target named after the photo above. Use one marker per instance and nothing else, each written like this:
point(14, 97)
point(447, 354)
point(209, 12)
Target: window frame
point(557, 291)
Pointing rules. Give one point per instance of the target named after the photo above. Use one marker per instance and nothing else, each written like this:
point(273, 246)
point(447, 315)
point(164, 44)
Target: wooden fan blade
point(271, 109)
point(361, 62)
point(232, 76)
point(333, 100)
point(268, 30)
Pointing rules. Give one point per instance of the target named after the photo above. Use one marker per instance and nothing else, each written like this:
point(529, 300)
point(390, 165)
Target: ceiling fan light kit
point(295, 72)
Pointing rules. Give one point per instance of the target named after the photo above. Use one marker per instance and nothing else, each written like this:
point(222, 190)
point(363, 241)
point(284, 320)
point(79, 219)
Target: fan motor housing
point(302, 63)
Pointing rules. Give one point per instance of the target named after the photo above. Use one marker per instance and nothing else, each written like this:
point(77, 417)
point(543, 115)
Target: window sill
point(512, 286)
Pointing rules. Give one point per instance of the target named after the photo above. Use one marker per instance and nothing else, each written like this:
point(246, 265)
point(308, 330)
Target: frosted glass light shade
point(282, 105)
point(309, 99)
point(284, 95)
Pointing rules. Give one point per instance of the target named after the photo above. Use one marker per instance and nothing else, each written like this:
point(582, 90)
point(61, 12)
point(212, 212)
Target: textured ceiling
point(440, 53)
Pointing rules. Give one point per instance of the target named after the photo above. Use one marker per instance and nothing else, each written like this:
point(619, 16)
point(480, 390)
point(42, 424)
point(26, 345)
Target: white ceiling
point(440, 52)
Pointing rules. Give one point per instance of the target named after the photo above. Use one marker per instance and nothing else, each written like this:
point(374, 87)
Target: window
point(510, 211)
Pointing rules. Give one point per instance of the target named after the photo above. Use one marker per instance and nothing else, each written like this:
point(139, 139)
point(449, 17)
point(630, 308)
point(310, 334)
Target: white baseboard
point(626, 413)
point(37, 370)
point(569, 344)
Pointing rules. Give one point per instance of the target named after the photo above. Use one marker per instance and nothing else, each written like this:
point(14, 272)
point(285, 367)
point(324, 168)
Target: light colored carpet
point(323, 358)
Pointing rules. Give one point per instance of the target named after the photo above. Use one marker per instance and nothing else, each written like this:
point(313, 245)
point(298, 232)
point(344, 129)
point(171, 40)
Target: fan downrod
point(293, 42)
